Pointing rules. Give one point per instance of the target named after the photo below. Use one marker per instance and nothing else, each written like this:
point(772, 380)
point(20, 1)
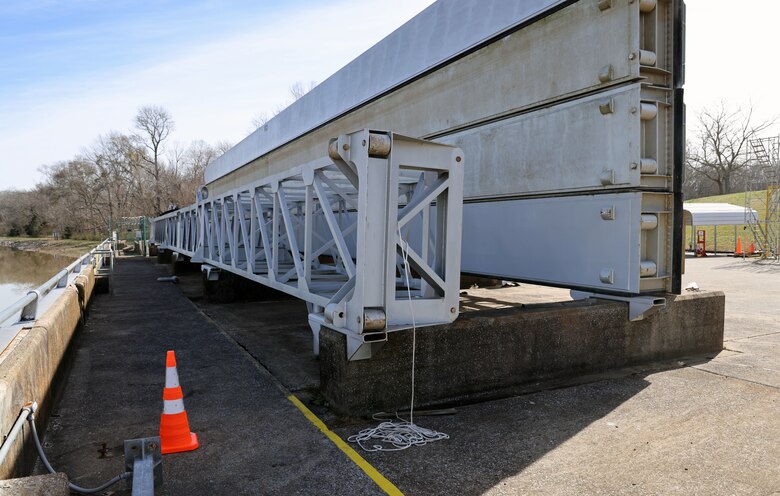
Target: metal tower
point(763, 194)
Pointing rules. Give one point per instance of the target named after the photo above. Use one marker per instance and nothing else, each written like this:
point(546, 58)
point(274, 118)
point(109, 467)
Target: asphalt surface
point(252, 439)
point(710, 426)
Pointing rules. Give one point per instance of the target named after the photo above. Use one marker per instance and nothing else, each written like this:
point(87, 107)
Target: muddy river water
point(21, 271)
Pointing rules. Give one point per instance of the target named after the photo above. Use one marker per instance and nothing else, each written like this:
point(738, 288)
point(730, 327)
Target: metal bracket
point(359, 346)
point(365, 345)
point(30, 311)
point(638, 306)
point(144, 459)
point(212, 273)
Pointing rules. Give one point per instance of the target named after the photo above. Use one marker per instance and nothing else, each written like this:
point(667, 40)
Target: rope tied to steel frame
point(399, 435)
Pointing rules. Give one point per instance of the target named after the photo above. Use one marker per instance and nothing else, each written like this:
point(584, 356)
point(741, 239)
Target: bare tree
point(155, 125)
point(297, 90)
point(185, 175)
point(719, 151)
point(260, 120)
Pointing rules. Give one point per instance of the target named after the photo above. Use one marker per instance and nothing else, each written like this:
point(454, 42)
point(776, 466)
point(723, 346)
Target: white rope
point(399, 435)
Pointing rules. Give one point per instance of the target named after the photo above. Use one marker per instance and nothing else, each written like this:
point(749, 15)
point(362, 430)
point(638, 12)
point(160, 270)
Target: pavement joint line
point(735, 378)
point(374, 474)
point(756, 336)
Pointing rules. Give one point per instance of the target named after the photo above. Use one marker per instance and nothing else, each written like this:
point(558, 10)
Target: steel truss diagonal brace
point(341, 233)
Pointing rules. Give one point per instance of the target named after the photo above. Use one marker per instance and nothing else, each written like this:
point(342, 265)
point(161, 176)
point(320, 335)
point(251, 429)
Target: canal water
point(21, 271)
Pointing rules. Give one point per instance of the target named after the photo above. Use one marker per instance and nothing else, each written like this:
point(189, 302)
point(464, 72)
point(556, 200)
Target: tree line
point(720, 157)
point(120, 175)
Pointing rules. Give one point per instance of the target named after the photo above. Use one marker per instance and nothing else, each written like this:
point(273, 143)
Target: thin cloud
point(213, 88)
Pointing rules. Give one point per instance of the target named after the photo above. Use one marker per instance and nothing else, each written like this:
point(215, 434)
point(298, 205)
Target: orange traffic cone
point(738, 250)
point(175, 435)
point(752, 249)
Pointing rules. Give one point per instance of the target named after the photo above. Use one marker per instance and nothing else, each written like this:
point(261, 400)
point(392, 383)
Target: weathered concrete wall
point(38, 485)
point(497, 353)
point(31, 366)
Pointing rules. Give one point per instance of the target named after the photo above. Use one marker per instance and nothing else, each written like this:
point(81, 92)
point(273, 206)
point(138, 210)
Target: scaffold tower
point(763, 195)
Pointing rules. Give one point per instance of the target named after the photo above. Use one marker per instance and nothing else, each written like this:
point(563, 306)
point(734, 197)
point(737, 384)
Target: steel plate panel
point(557, 241)
point(537, 65)
point(576, 145)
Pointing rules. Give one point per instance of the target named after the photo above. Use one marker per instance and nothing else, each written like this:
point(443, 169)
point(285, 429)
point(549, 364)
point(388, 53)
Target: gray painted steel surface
point(439, 33)
point(567, 113)
point(341, 233)
point(598, 239)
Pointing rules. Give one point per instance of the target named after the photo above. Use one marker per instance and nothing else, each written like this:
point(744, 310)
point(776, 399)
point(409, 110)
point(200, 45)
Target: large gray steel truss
point(585, 107)
point(570, 116)
point(342, 233)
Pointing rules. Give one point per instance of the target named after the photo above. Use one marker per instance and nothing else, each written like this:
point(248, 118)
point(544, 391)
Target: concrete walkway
point(709, 427)
point(253, 440)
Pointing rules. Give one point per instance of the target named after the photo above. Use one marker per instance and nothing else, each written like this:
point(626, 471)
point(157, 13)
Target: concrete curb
point(31, 363)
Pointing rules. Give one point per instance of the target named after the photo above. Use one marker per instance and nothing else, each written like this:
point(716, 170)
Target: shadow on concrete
point(471, 303)
point(276, 334)
point(493, 441)
point(752, 265)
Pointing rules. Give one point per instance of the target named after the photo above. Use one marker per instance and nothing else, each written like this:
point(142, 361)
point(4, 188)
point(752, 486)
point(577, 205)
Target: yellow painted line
point(366, 467)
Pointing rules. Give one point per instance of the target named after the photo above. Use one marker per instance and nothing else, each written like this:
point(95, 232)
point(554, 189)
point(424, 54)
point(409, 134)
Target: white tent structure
point(716, 214)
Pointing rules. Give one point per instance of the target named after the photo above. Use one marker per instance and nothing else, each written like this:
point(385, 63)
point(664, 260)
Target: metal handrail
point(27, 305)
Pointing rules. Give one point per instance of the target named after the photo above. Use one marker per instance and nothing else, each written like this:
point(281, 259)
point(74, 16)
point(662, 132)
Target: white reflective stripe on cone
point(173, 406)
point(171, 377)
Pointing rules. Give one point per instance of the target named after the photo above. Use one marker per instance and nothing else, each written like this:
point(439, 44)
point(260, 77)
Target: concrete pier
point(498, 353)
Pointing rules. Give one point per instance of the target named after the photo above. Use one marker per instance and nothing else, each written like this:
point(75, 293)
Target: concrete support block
point(39, 485)
point(183, 265)
point(230, 287)
point(164, 256)
point(498, 353)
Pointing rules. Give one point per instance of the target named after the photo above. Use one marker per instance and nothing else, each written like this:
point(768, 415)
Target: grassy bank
point(67, 247)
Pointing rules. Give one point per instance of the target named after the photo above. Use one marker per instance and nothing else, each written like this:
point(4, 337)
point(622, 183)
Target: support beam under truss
point(342, 233)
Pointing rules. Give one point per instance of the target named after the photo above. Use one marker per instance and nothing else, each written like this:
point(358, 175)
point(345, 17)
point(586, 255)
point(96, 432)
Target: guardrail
point(26, 307)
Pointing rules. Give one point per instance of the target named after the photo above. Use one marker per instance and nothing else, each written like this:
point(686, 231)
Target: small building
point(716, 214)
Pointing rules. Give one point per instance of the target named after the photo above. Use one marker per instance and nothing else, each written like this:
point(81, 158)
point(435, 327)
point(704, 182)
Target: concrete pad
point(275, 333)
point(496, 353)
point(755, 360)
point(751, 286)
point(37, 485)
point(674, 433)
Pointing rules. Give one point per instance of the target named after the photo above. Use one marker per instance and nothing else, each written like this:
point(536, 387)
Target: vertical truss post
point(341, 233)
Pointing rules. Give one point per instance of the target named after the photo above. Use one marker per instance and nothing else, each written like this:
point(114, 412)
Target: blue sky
point(71, 70)
point(58, 41)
